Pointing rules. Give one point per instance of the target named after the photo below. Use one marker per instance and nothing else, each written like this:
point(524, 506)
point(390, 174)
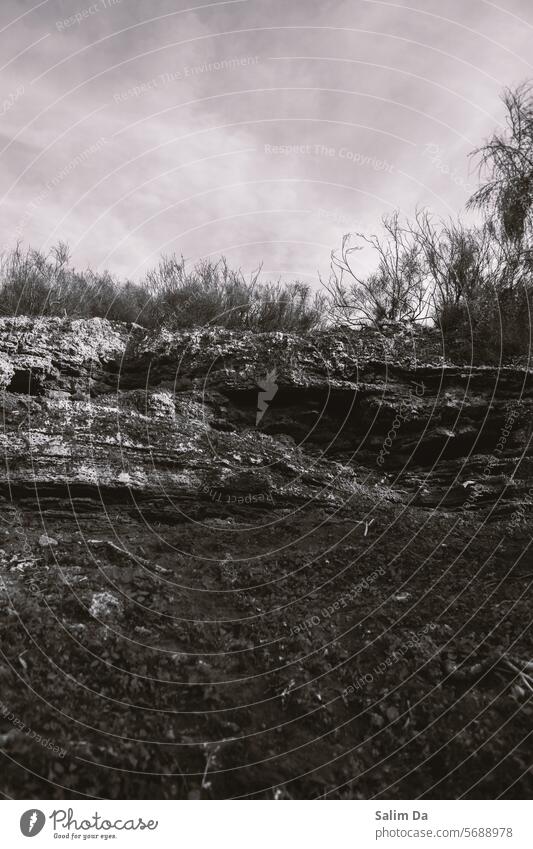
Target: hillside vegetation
point(472, 281)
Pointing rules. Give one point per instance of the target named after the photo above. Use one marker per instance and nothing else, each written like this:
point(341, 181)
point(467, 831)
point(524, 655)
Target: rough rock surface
point(104, 410)
point(245, 526)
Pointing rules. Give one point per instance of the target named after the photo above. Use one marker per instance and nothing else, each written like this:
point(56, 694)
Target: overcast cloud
point(258, 129)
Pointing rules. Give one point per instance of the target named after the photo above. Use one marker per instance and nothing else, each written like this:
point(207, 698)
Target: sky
point(260, 130)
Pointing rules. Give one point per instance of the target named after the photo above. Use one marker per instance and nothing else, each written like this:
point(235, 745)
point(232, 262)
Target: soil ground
point(379, 652)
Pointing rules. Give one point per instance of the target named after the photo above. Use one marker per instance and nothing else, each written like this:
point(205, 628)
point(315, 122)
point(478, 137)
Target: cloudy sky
point(258, 129)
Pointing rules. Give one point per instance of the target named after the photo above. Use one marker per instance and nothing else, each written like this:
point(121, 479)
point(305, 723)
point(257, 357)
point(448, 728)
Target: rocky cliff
point(245, 564)
point(101, 411)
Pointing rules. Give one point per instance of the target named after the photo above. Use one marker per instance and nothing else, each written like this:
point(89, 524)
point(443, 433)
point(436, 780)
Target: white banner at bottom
point(268, 824)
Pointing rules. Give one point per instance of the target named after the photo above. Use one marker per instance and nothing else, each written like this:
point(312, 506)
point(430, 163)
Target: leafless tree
point(505, 160)
point(458, 260)
point(394, 291)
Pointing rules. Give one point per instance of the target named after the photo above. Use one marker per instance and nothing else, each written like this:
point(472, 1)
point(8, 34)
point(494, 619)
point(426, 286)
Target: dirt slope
point(241, 565)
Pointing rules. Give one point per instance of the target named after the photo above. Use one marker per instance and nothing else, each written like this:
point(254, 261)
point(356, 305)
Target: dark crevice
point(26, 382)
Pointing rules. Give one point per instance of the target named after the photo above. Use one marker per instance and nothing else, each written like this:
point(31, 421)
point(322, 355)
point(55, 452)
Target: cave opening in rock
point(25, 382)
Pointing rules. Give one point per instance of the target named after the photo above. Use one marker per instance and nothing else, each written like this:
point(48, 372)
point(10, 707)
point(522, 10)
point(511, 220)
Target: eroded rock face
point(232, 563)
point(103, 411)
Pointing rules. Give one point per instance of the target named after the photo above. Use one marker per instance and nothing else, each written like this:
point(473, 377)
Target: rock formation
point(238, 563)
point(101, 411)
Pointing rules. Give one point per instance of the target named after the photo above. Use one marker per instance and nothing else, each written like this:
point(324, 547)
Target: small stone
point(105, 606)
point(44, 540)
point(392, 713)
